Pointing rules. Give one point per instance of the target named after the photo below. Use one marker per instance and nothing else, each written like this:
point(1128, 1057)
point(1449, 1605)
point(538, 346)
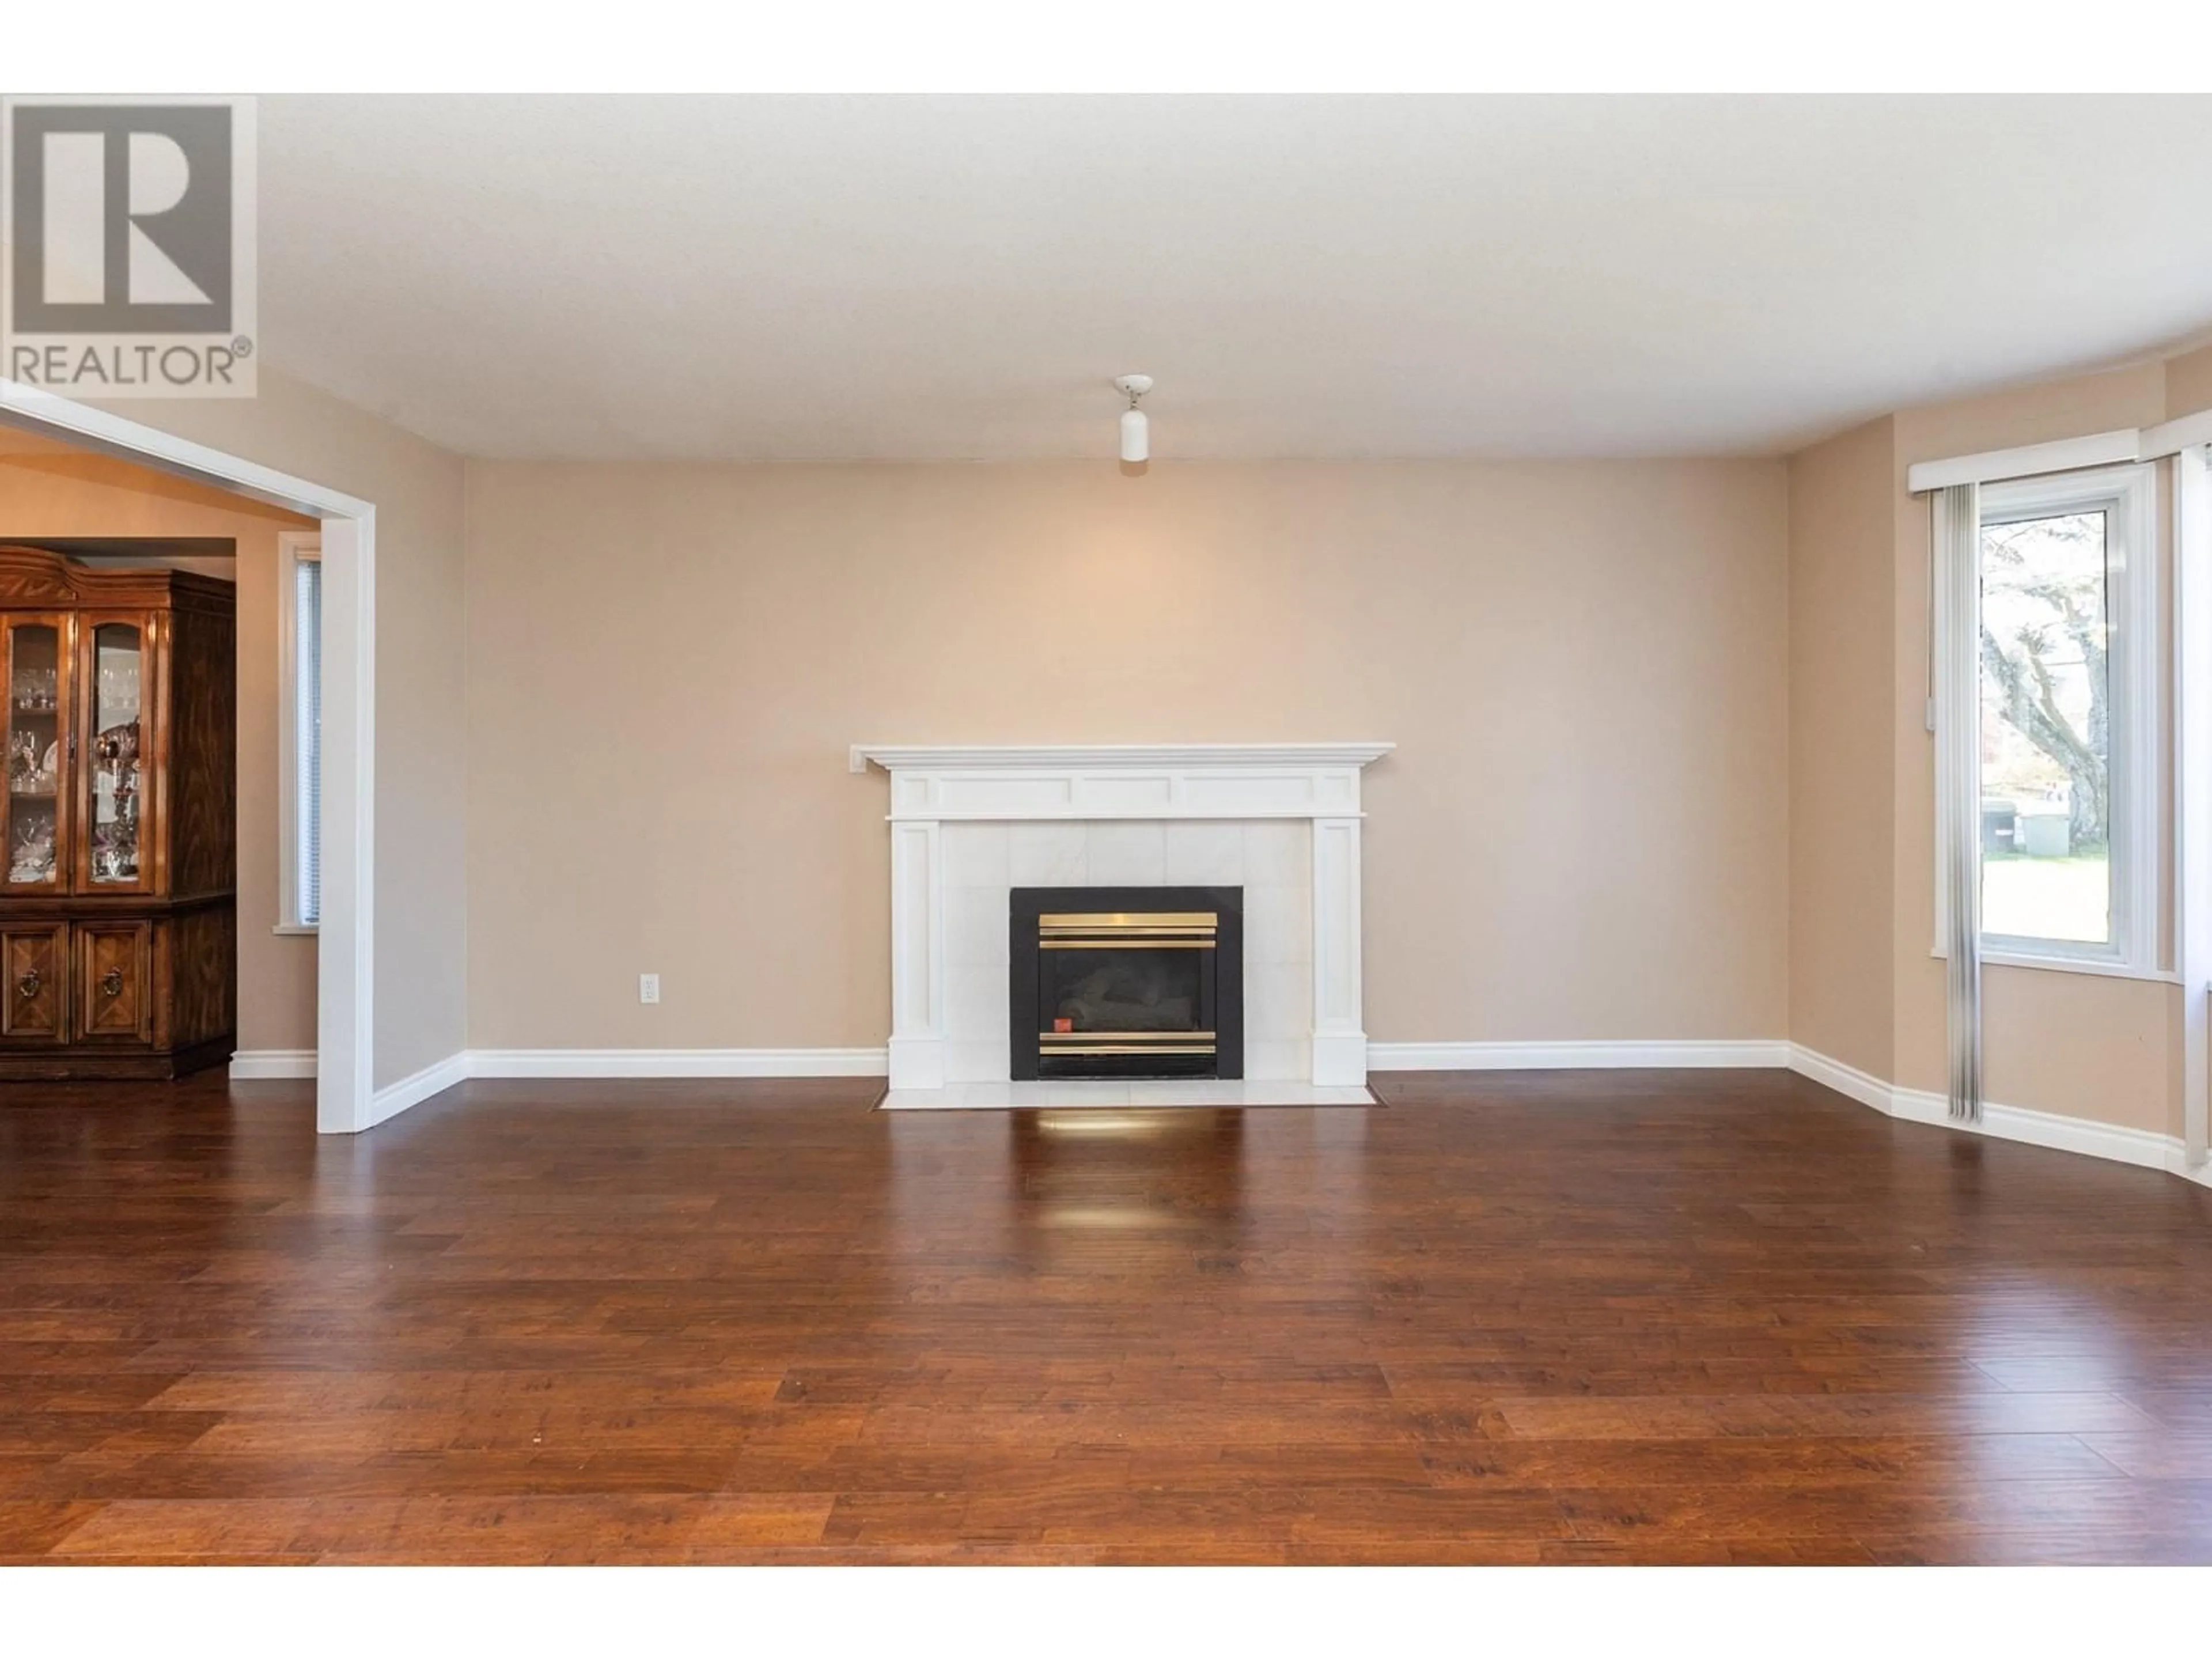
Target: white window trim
point(294, 547)
point(2192, 785)
point(2128, 493)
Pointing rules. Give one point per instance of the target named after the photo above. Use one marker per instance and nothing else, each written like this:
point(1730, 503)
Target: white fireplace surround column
point(933, 787)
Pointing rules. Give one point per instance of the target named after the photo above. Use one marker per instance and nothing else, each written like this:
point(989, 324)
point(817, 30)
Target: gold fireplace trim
point(1109, 920)
point(1126, 1042)
point(1129, 930)
point(1161, 943)
point(1135, 1049)
point(1128, 1048)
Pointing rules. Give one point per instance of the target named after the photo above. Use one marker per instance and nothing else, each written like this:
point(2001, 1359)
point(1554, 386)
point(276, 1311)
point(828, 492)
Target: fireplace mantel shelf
point(912, 756)
point(1030, 781)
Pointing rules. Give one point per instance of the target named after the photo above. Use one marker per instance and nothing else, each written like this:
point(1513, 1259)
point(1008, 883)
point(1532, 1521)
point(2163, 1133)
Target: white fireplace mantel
point(1122, 780)
point(936, 789)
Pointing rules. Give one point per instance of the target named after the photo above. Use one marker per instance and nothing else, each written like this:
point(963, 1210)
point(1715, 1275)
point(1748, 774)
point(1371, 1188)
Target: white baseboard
point(267, 1064)
point(2144, 1148)
point(1863, 1086)
point(395, 1097)
point(264, 1063)
point(1571, 1056)
point(678, 1062)
point(259, 1064)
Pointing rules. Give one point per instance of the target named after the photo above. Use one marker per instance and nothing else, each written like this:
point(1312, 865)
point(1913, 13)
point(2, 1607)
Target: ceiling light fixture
point(1136, 430)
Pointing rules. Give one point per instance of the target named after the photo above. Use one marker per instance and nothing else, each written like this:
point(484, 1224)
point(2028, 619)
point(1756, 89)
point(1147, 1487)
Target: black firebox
point(1126, 981)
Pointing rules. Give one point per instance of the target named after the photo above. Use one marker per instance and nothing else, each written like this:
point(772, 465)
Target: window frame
point(2127, 494)
point(294, 549)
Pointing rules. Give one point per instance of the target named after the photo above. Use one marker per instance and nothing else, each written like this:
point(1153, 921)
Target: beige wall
point(50, 492)
point(1584, 833)
point(1842, 778)
point(421, 941)
point(1636, 796)
point(2189, 383)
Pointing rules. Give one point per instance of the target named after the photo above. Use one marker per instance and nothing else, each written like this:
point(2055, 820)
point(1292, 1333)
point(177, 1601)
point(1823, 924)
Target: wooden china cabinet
point(118, 892)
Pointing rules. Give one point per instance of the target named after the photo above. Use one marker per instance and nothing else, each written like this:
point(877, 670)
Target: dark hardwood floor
point(1702, 1316)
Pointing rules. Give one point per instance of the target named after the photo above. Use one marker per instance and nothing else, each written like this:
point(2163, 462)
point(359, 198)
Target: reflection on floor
point(1679, 1316)
point(1123, 1191)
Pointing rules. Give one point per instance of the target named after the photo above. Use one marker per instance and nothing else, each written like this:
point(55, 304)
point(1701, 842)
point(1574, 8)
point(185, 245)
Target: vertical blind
point(1958, 697)
point(307, 735)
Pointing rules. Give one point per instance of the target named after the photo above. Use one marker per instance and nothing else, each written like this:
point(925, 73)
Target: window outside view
point(2046, 730)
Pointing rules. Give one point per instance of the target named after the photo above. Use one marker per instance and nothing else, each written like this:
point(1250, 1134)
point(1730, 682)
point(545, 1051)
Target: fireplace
point(1279, 823)
point(1125, 982)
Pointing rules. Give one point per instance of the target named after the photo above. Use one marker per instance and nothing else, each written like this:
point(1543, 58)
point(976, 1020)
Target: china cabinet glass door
point(115, 691)
point(35, 721)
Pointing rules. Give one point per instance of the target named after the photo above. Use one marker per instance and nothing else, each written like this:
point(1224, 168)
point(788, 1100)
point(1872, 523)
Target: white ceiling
point(916, 278)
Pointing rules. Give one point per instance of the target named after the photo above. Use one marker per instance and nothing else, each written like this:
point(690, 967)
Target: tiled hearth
point(1084, 1091)
point(1280, 821)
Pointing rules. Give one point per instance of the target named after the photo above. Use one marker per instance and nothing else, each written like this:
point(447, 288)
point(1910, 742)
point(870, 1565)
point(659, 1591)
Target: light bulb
point(1136, 439)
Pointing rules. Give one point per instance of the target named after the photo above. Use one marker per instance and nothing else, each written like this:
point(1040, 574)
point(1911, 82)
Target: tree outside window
point(2046, 728)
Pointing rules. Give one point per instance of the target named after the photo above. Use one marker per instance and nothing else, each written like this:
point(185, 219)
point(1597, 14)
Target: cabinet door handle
point(111, 983)
point(29, 984)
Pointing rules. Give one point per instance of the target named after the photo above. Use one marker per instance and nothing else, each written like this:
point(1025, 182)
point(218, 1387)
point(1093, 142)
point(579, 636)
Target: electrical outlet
point(648, 987)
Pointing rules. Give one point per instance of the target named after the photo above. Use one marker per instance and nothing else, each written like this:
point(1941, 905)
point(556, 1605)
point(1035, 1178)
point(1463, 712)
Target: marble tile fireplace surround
point(969, 824)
